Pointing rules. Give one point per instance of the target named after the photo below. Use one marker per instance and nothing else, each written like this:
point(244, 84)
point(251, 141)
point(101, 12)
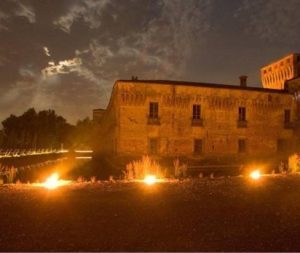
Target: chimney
point(243, 81)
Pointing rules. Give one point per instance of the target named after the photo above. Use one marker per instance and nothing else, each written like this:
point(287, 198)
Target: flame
point(255, 174)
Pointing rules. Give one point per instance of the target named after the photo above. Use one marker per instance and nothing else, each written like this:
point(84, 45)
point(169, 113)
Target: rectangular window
point(196, 112)
point(242, 114)
point(153, 146)
point(287, 116)
point(242, 146)
point(269, 98)
point(198, 146)
point(153, 110)
point(281, 145)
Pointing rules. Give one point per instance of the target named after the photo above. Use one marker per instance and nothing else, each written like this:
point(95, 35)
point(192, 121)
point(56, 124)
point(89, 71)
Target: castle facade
point(197, 120)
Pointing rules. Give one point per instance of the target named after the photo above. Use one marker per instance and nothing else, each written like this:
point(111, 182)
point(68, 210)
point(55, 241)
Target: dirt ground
point(225, 214)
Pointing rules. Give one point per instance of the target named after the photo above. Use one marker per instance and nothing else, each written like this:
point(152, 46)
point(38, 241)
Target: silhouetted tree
point(82, 134)
point(36, 130)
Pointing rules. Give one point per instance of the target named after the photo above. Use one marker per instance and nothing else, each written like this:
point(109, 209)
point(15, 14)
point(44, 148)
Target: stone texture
point(125, 130)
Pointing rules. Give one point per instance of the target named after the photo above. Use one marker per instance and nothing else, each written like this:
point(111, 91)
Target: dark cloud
point(12, 9)
point(197, 40)
point(88, 11)
point(274, 21)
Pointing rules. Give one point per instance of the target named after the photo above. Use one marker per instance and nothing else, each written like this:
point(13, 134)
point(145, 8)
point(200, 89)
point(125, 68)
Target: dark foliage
point(33, 130)
point(82, 134)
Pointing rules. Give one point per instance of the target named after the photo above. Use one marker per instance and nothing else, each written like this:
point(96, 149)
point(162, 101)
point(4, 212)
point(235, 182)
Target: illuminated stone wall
point(220, 131)
point(274, 75)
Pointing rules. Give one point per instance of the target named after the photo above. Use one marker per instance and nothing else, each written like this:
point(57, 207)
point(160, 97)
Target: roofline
point(280, 59)
point(99, 109)
point(293, 79)
point(207, 85)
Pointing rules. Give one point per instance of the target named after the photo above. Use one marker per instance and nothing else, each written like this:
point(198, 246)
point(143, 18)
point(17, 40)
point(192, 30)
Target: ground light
point(150, 180)
point(255, 175)
point(53, 182)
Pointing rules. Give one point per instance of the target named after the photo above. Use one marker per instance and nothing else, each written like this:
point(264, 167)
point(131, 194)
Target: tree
point(44, 129)
point(82, 134)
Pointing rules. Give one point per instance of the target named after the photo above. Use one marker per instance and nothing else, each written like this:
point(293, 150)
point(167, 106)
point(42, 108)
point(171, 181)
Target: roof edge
point(279, 59)
point(204, 84)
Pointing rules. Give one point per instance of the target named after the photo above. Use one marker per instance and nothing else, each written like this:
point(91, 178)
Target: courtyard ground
point(223, 214)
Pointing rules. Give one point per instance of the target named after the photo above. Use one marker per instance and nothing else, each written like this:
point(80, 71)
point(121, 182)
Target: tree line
point(44, 130)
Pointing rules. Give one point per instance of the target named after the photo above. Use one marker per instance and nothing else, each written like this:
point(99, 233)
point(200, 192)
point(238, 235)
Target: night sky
point(66, 54)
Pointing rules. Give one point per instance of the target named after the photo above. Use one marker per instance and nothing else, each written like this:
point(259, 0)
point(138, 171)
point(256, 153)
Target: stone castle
point(198, 121)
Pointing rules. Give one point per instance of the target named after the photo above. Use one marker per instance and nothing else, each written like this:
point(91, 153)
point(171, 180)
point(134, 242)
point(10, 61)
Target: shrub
point(80, 179)
point(293, 163)
point(140, 168)
point(180, 170)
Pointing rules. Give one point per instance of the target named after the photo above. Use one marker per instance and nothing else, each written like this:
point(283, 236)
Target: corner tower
point(274, 75)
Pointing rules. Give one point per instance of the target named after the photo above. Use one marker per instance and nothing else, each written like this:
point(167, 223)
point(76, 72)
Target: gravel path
point(227, 214)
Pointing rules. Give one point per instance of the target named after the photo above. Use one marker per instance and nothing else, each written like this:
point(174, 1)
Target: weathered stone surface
point(125, 128)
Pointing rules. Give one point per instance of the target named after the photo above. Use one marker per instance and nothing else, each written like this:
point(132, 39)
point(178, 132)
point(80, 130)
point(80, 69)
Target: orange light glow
point(150, 180)
point(53, 182)
point(255, 175)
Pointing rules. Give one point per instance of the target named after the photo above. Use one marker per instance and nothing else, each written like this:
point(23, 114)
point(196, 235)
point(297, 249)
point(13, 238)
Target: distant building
point(274, 75)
